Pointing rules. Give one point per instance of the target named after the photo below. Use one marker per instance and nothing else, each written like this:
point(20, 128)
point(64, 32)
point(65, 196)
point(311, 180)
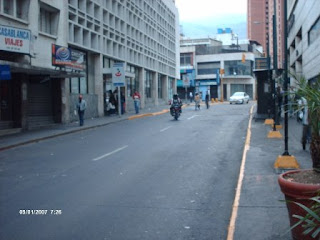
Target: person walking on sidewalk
point(305, 122)
point(81, 107)
point(197, 101)
point(207, 100)
point(136, 98)
point(191, 97)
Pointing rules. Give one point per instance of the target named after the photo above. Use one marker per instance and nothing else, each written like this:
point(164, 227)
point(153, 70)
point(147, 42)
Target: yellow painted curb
point(277, 126)
point(268, 121)
point(140, 116)
point(287, 162)
point(274, 134)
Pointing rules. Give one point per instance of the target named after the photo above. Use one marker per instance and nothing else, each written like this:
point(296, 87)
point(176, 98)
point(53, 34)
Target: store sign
point(68, 57)
point(15, 39)
point(118, 74)
point(261, 63)
point(5, 73)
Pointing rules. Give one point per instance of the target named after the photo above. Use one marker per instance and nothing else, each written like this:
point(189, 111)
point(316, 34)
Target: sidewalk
point(22, 138)
point(261, 216)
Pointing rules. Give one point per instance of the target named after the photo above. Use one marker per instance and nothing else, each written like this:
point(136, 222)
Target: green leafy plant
point(311, 221)
point(311, 92)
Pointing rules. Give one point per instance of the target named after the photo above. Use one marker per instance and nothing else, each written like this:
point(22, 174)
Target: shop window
point(233, 68)
point(208, 68)
point(79, 85)
point(148, 84)
point(48, 19)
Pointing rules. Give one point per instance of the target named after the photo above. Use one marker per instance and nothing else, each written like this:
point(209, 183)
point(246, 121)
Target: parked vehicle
point(239, 97)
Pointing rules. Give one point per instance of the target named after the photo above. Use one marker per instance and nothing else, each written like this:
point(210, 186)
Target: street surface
point(148, 178)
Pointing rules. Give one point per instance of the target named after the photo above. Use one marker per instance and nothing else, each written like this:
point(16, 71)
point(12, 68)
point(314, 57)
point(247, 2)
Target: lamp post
point(285, 161)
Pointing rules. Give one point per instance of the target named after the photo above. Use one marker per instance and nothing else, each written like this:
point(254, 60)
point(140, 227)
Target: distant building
point(260, 27)
point(52, 51)
point(208, 65)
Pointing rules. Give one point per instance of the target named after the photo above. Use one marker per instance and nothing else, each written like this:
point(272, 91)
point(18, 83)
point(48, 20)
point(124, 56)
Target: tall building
point(52, 51)
point(304, 38)
point(258, 21)
point(260, 27)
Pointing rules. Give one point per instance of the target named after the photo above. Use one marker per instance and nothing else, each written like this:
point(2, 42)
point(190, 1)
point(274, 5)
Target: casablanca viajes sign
point(15, 39)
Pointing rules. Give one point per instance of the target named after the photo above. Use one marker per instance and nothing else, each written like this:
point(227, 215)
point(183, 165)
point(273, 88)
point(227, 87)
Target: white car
point(239, 97)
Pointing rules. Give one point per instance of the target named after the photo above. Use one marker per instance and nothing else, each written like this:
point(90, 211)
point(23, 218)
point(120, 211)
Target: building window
point(314, 32)
point(79, 85)
point(234, 68)
point(132, 82)
point(48, 19)
point(186, 59)
point(148, 83)
point(208, 68)
point(15, 8)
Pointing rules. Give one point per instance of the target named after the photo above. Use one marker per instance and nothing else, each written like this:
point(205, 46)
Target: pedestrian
point(136, 98)
point(306, 130)
point(207, 100)
point(197, 101)
point(191, 97)
point(115, 94)
point(123, 102)
point(112, 103)
point(81, 107)
point(279, 98)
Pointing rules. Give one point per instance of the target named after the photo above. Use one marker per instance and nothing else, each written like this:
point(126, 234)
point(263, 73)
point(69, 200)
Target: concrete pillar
point(98, 81)
point(65, 101)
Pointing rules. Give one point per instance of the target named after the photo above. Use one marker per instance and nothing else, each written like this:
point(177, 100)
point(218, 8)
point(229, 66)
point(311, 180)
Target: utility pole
point(286, 161)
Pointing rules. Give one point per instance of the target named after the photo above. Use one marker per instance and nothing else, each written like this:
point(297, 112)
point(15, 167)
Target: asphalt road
point(148, 178)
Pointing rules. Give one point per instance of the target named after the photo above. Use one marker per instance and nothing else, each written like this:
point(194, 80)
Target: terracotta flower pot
point(301, 193)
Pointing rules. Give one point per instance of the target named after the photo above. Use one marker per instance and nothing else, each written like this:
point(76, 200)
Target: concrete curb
point(53, 135)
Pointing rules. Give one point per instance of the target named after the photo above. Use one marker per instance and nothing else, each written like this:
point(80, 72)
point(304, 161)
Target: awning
point(33, 70)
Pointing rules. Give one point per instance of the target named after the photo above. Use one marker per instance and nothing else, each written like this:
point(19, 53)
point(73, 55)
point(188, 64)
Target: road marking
point(235, 206)
point(110, 153)
point(193, 116)
point(162, 130)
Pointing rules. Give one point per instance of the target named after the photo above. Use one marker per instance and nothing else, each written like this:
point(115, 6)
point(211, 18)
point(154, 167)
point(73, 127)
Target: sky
point(201, 18)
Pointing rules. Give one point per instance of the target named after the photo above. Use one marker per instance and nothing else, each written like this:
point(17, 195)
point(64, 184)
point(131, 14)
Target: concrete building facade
point(304, 38)
point(70, 48)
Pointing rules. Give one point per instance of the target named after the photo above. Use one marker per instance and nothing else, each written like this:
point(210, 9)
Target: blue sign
point(5, 73)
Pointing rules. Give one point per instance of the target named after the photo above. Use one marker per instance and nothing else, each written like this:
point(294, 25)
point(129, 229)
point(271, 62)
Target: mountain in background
point(208, 27)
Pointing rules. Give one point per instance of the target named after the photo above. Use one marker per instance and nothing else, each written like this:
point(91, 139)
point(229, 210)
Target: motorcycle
point(175, 111)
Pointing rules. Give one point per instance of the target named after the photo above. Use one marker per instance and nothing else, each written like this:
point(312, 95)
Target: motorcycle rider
point(175, 101)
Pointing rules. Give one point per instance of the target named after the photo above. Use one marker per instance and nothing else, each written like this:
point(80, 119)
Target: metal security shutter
point(39, 104)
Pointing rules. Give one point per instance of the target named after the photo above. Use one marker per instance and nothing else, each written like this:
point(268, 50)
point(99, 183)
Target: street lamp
point(286, 161)
point(235, 36)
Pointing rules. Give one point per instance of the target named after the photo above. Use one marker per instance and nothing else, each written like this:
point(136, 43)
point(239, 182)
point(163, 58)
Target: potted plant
point(301, 187)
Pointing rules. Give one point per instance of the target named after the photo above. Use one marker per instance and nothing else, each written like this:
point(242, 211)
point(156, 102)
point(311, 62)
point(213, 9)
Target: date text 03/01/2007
point(40, 212)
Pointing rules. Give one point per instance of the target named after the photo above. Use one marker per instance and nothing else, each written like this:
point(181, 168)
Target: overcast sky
point(203, 17)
